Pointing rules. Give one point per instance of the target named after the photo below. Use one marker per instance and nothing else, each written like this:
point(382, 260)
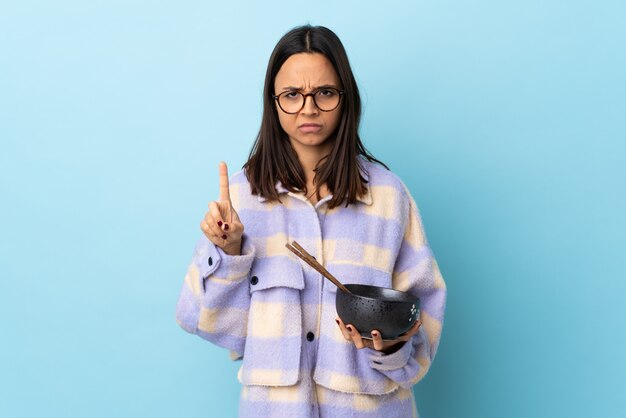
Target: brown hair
point(272, 157)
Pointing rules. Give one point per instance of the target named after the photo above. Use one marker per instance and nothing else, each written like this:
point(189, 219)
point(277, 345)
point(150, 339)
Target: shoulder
point(384, 182)
point(238, 177)
point(238, 183)
point(240, 192)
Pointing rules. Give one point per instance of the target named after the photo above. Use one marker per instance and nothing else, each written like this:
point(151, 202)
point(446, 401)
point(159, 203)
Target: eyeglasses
point(326, 99)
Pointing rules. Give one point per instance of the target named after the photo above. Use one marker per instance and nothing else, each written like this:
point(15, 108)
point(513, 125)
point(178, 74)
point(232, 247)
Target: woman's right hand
point(221, 224)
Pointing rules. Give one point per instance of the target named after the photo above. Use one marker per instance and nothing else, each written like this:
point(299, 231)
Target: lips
point(310, 127)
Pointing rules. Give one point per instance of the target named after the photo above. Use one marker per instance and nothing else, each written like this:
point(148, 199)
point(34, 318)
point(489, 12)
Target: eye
point(292, 95)
point(326, 93)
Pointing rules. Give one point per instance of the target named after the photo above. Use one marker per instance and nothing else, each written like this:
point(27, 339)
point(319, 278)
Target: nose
point(309, 106)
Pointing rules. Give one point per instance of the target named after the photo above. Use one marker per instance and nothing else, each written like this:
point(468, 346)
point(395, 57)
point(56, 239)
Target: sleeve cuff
point(397, 360)
point(213, 261)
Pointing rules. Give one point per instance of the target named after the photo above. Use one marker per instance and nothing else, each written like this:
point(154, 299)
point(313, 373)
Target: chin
point(310, 140)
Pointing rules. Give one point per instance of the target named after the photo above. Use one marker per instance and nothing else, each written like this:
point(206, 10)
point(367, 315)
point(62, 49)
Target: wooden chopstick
point(317, 266)
point(303, 257)
point(311, 261)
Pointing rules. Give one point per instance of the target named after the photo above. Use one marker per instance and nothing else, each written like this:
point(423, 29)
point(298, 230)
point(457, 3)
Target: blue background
point(507, 121)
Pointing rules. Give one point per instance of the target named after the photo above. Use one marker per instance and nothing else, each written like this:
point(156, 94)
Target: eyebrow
point(323, 86)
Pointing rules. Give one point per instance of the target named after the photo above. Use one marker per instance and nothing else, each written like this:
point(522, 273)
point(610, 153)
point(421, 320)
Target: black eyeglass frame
point(312, 94)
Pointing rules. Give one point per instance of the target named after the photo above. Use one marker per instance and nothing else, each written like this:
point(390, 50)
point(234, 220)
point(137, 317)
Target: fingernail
point(226, 227)
point(224, 236)
point(219, 223)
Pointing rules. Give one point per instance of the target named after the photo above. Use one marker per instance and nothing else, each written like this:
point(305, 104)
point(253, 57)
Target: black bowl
point(368, 308)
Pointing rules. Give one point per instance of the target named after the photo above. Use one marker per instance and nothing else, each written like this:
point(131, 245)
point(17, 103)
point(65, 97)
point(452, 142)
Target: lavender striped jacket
point(278, 314)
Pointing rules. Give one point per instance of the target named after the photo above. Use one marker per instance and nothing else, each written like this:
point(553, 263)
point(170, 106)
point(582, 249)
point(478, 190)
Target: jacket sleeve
point(215, 295)
point(415, 271)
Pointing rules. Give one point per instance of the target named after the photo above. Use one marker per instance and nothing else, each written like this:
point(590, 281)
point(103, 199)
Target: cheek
point(333, 121)
point(286, 121)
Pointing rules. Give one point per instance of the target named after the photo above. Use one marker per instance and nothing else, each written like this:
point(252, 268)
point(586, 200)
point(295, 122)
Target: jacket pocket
point(274, 331)
point(340, 365)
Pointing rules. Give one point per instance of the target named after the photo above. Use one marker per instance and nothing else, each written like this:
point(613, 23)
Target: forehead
point(306, 70)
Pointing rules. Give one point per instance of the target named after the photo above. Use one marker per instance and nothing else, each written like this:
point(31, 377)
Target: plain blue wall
point(506, 120)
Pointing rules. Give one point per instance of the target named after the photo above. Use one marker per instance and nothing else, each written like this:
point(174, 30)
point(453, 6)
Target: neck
point(309, 156)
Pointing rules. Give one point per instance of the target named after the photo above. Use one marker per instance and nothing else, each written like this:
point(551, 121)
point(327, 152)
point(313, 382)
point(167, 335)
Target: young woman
point(309, 179)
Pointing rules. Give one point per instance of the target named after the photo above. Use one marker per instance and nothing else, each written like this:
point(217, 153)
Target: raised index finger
point(224, 191)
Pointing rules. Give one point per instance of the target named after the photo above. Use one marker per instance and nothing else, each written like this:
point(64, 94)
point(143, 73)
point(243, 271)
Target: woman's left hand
point(350, 333)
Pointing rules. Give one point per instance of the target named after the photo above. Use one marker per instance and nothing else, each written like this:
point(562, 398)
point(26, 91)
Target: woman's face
point(306, 72)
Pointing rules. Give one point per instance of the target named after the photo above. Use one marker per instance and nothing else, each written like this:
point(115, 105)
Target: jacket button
point(210, 261)
point(310, 336)
point(254, 280)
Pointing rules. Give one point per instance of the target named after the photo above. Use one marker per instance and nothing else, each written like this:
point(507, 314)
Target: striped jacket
point(278, 315)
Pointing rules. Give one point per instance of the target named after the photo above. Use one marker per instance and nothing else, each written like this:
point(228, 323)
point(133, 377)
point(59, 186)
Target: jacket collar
point(366, 198)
